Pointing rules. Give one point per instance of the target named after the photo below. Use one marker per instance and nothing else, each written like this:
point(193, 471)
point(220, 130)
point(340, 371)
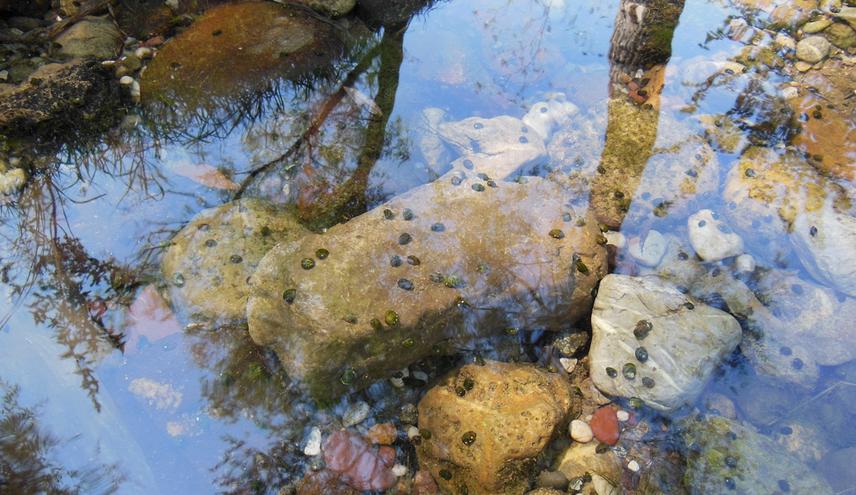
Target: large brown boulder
point(436, 267)
point(210, 259)
point(483, 427)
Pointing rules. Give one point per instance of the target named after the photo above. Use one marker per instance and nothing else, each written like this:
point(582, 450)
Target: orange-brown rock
point(483, 426)
point(382, 434)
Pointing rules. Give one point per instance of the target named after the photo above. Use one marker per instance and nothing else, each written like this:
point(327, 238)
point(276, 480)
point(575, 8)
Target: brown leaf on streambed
point(149, 316)
point(206, 175)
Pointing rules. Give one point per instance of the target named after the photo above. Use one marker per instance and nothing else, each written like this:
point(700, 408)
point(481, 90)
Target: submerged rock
point(791, 325)
point(653, 342)
point(502, 146)
point(209, 261)
point(333, 8)
point(727, 457)
point(711, 237)
point(498, 262)
point(236, 48)
point(359, 464)
point(487, 438)
point(775, 199)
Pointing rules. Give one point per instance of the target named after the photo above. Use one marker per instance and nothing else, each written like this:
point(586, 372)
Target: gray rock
point(711, 238)
point(648, 250)
point(210, 260)
point(508, 255)
point(761, 466)
point(96, 37)
point(813, 49)
point(651, 341)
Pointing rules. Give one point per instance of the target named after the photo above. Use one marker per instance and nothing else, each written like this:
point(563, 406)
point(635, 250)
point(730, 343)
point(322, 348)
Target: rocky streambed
point(556, 310)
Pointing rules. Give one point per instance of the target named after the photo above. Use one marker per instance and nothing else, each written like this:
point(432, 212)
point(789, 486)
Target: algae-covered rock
point(725, 456)
point(653, 342)
point(209, 261)
point(483, 427)
point(235, 48)
point(333, 8)
point(76, 97)
point(439, 265)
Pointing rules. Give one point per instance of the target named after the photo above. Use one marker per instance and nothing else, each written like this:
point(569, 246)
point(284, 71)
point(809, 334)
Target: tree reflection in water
point(28, 463)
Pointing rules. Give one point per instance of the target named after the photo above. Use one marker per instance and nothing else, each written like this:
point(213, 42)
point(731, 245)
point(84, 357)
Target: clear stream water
point(201, 412)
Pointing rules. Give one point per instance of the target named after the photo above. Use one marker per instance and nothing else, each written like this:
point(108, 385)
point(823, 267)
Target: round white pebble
point(745, 263)
point(633, 466)
point(412, 432)
point(568, 363)
point(399, 470)
point(581, 431)
point(622, 415)
point(126, 80)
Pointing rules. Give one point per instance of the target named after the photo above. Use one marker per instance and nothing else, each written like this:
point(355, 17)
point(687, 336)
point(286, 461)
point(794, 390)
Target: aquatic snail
point(322, 254)
point(468, 438)
point(307, 263)
point(557, 234)
point(236, 259)
point(391, 318)
point(629, 371)
point(641, 354)
point(478, 187)
point(642, 329)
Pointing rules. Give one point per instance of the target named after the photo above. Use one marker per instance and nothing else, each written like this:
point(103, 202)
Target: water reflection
point(688, 117)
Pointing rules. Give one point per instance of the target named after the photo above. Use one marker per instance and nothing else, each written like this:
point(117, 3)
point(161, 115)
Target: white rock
point(650, 250)
point(568, 364)
point(420, 375)
point(617, 239)
point(633, 466)
point(825, 243)
point(581, 431)
point(135, 92)
point(143, 52)
point(684, 340)
point(126, 80)
point(399, 470)
point(313, 443)
point(554, 112)
point(356, 414)
point(397, 382)
point(790, 92)
point(4, 75)
point(173, 4)
point(711, 238)
point(412, 432)
point(622, 416)
point(745, 263)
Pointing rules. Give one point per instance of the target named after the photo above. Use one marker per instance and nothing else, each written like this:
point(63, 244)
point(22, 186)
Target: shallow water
point(165, 408)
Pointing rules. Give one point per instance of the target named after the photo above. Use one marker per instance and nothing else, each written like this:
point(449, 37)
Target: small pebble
point(313, 443)
point(568, 364)
point(356, 414)
point(581, 431)
point(412, 432)
point(622, 416)
point(633, 466)
point(399, 470)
